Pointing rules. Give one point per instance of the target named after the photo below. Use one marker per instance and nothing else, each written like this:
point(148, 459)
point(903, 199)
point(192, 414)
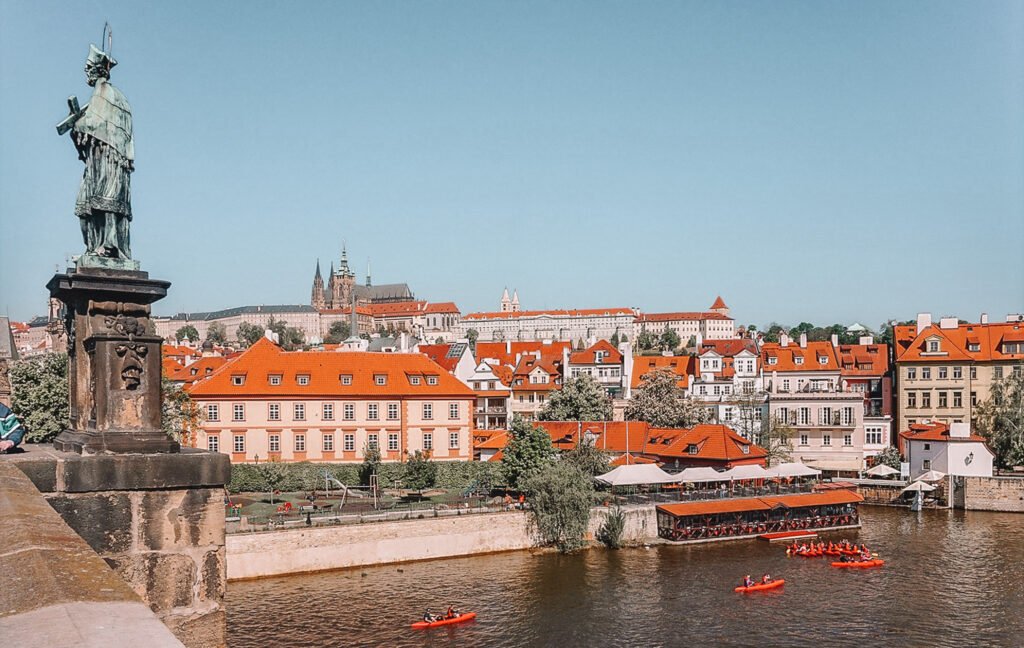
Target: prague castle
point(341, 288)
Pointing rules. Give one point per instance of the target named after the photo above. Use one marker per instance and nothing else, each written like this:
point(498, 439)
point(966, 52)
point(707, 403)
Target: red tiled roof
point(761, 503)
point(325, 369)
point(728, 348)
point(627, 459)
point(611, 436)
point(935, 432)
point(863, 359)
point(573, 312)
point(682, 366)
point(611, 355)
point(505, 352)
point(786, 357)
point(954, 344)
point(714, 442)
point(198, 370)
point(680, 316)
point(170, 365)
point(397, 309)
point(442, 307)
point(719, 303)
point(439, 354)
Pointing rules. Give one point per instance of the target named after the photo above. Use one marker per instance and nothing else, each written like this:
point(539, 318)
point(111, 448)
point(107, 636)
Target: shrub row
point(303, 476)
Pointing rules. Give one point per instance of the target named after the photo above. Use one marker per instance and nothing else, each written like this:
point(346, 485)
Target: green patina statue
point(102, 134)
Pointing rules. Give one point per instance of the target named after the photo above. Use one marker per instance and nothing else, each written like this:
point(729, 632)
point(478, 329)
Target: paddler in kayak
point(767, 578)
point(430, 617)
point(748, 581)
point(452, 612)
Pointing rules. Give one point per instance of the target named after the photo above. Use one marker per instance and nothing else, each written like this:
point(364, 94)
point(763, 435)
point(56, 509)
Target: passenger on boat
point(748, 581)
point(452, 612)
point(428, 616)
point(766, 579)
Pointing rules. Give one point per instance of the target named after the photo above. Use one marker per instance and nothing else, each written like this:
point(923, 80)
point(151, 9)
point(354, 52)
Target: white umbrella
point(932, 476)
point(752, 471)
point(792, 470)
point(636, 474)
point(702, 474)
point(882, 470)
point(918, 487)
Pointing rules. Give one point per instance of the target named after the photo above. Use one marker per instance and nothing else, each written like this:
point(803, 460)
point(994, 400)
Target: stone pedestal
point(114, 365)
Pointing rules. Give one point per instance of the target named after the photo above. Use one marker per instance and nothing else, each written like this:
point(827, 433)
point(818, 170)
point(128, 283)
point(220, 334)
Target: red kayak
point(809, 554)
point(465, 616)
point(761, 586)
point(861, 563)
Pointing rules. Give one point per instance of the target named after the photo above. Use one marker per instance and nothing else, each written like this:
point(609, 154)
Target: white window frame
point(392, 442)
point(274, 442)
point(213, 443)
point(213, 412)
point(348, 412)
point(328, 442)
point(350, 442)
point(273, 411)
point(428, 411)
point(428, 441)
point(373, 411)
point(298, 411)
point(327, 411)
point(238, 444)
point(238, 412)
point(453, 440)
point(392, 411)
point(453, 411)
point(300, 442)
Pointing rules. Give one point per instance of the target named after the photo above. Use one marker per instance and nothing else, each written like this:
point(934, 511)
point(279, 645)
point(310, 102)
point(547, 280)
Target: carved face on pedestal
point(131, 363)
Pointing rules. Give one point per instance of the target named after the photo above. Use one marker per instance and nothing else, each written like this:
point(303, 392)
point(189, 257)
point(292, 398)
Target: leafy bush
point(39, 396)
point(560, 500)
point(303, 476)
point(610, 532)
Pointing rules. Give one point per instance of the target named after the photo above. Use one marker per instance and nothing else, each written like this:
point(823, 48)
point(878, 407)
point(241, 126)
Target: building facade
point(570, 324)
point(713, 324)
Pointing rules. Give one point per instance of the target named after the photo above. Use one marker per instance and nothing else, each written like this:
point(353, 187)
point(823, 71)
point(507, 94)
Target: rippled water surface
point(951, 579)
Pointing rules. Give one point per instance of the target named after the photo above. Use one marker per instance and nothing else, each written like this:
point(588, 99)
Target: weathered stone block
point(201, 631)
point(164, 581)
point(182, 518)
point(213, 576)
point(188, 469)
point(42, 472)
point(104, 520)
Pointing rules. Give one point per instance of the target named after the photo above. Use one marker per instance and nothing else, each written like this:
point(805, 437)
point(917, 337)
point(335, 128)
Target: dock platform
point(788, 535)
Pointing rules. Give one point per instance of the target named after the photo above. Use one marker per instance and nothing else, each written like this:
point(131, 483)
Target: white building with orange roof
point(728, 377)
point(492, 386)
point(948, 448)
point(608, 366)
point(712, 324)
point(329, 405)
point(533, 381)
point(864, 368)
point(510, 323)
point(944, 369)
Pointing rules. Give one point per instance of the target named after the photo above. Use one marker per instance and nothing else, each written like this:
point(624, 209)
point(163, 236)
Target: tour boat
point(465, 616)
point(761, 586)
point(861, 563)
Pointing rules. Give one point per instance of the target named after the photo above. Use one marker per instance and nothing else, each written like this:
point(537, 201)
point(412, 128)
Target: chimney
point(803, 340)
point(508, 348)
point(866, 340)
point(984, 318)
point(924, 320)
point(949, 323)
point(959, 430)
point(835, 340)
point(783, 340)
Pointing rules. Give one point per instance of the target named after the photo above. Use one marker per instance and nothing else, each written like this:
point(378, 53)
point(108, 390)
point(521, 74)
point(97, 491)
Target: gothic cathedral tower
point(318, 299)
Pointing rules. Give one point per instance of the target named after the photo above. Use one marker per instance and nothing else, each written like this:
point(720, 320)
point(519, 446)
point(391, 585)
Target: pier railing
point(669, 496)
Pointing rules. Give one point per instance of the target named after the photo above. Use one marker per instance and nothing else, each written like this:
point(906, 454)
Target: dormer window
point(414, 380)
point(238, 380)
point(302, 379)
point(974, 347)
point(275, 379)
point(773, 360)
point(431, 380)
point(823, 360)
point(380, 379)
point(346, 379)
point(745, 449)
point(692, 449)
point(933, 346)
point(798, 360)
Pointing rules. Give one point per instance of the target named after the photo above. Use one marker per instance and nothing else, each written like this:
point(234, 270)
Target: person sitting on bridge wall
point(11, 430)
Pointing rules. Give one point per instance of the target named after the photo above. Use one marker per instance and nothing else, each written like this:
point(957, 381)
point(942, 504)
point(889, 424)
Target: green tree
point(180, 416)
point(339, 331)
point(662, 403)
point(289, 337)
point(645, 340)
point(777, 439)
point(1000, 420)
point(773, 332)
point(39, 396)
point(560, 500)
point(587, 458)
point(217, 333)
point(580, 399)
point(669, 340)
point(802, 327)
point(371, 463)
point(889, 457)
point(249, 334)
point(187, 331)
point(615, 341)
point(885, 335)
point(528, 451)
point(272, 474)
point(610, 532)
point(419, 472)
point(472, 335)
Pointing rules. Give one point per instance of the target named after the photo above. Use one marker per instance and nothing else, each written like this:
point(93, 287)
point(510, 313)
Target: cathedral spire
point(368, 282)
point(318, 275)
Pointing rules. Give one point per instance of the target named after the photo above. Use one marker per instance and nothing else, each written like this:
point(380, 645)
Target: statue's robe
point(103, 138)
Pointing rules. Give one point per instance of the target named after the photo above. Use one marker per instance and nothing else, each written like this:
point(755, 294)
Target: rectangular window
point(239, 443)
point(238, 412)
point(926, 399)
point(371, 441)
point(428, 441)
point(997, 372)
point(847, 416)
point(974, 373)
point(300, 443)
point(349, 411)
point(453, 411)
point(825, 416)
point(804, 416)
point(302, 379)
point(346, 379)
point(804, 439)
point(958, 399)
point(273, 411)
point(943, 373)
point(958, 373)
point(350, 443)
point(826, 439)
point(275, 380)
point(237, 381)
point(380, 379)
point(926, 373)
point(453, 440)
point(414, 380)
point(974, 398)
point(943, 399)
point(213, 412)
point(911, 399)
point(213, 444)
point(328, 443)
point(782, 414)
point(927, 464)
point(392, 443)
point(371, 411)
point(300, 412)
point(847, 439)
point(431, 380)
point(392, 411)
point(911, 373)
point(274, 442)
point(428, 411)
point(328, 411)
point(873, 436)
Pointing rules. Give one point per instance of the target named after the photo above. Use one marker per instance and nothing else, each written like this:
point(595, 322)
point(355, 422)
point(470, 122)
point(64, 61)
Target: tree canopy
point(590, 460)
point(528, 451)
point(289, 337)
point(338, 331)
point(187, 331)
point(560, 500)
point(889, 457)
point(419, 471)
point(180, 417)
point(662, 403)
point(580, 399)
point(1000, 419)
point(39, 395)
point(669, 340)
point(249, 334)
point(217, 333)
point(370, 465)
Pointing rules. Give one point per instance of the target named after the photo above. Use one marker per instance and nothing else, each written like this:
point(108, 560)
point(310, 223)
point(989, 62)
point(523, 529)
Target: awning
point(752, 471)
point(932, 476)
point(702, 474)
point(792, 470)
point(636, 474)
point(918, 486)
point(882, 470)
point(836, 465)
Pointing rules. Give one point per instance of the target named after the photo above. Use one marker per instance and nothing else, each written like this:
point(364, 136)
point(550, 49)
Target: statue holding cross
point(102, 134)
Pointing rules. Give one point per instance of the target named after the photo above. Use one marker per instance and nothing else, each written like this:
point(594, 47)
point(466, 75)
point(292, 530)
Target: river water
point(951, 579)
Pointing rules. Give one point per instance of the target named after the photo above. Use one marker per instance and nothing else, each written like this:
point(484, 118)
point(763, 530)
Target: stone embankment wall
point(994, 494)
point(56, 590)
point(158, 522)
point(888, 495)
point(297, 551)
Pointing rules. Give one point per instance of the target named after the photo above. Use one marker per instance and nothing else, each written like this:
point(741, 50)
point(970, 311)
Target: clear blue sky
point(818, 161)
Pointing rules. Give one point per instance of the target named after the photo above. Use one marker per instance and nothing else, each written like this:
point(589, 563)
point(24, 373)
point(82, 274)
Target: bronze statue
point(102, 134)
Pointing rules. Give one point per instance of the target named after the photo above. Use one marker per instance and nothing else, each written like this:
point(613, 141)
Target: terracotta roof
point(956, 344)
point(680, 316)
point(439, 354)
point(506, 352)
point(611, 355)
point(610, 436)
point(938, 432)
point(863, 359)
point(324, 369)
point(198, 370)
point(682, 366)
point(627, 459)
point(442, 307)
point(180, 351)
point(347, 310)
point(574, 312)
point(719, 303)
point(761, 503)
point(170, 365)
point(787, 357)
point(495, 442)
point(728, 348)
point(715, 442)
point(397, 309)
